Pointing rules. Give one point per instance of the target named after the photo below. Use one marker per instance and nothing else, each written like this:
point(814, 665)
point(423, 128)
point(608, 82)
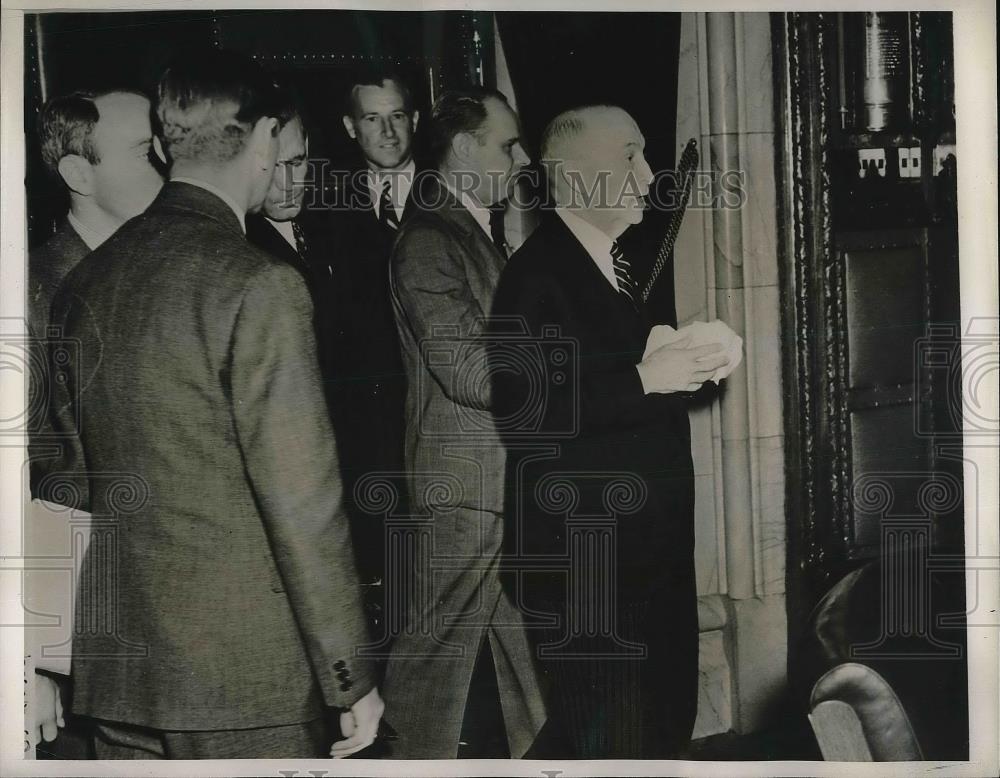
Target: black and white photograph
point(479, 388)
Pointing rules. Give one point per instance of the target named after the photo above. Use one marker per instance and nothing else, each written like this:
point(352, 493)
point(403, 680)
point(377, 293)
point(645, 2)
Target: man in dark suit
point(367, 378)
point(301, 236)
point(460, 626)
point(204, 448)
point(99, 146)
point(280, 226)
point(600, 483)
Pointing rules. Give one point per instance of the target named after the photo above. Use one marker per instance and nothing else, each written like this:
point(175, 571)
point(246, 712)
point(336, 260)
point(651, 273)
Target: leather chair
point(882, 667)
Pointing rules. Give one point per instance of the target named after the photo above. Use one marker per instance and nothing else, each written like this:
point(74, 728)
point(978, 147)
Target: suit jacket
point(444, 272)
point(47, 267)
point(316, 269)
point(205, 451)
point(316, 266)
point(368, 379)
point(576, 341)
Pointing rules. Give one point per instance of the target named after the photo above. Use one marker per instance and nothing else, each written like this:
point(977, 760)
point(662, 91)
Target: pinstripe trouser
point(605, 701)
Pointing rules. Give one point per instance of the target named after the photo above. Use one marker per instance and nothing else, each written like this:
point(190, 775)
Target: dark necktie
point(386, 210)
point(300, 239)
point(497, 228)
point(623, 273)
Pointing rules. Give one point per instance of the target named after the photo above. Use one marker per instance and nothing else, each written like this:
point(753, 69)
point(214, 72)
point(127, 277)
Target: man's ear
point(78, 173)
point(349, 126)
point(264, 141)
point(461, 146)
point(415, 119)
point(567, 178)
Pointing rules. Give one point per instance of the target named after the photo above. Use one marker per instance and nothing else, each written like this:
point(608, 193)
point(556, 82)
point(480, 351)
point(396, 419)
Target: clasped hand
point(678, 367)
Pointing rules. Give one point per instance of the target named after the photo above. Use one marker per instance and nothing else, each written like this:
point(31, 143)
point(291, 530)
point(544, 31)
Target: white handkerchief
point(701, 333)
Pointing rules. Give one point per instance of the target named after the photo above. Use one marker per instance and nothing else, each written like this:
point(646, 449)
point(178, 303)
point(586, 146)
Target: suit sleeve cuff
point(347, 681)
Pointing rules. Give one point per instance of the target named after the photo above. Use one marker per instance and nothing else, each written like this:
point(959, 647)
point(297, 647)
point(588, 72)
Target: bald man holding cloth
point(607, 444)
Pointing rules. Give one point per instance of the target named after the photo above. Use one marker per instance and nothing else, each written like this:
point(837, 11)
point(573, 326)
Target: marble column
point(726, 268)
point(730, 304)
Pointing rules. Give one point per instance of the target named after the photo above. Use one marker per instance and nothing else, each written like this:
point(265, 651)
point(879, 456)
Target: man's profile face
point(288, 184)
point(381, 125)
point(125, 181)
point(262, 161)
point(612, 151)
point(498, 155)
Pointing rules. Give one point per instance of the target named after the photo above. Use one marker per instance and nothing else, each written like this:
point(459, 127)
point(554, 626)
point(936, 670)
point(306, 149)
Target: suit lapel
point(485, 260)
point(487, 263)
point(583, 267)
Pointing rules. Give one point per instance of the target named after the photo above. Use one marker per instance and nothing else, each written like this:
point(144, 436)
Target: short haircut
point(455, 112)
point(208, 104)
point(66, 125)
point(376, 76)
point(560, 133)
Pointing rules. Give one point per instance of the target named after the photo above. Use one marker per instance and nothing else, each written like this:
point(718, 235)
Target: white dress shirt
point(596, 243)
point(285, 231)
point(224, 196)
point(402, 182)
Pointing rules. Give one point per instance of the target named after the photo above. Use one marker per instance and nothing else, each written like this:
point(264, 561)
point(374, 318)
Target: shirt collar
point(402, 182)
point(224, 196)
point(285, 230)
point(479, 213)
point(91, 237)
point(594, 241)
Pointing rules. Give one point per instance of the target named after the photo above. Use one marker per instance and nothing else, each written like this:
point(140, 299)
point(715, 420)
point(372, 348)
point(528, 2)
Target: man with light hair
point(98, 145)
point(207, 452)
point(622, 659)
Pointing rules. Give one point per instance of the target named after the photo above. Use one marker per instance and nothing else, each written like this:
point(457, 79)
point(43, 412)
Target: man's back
point(48, 265)
point(196, 380)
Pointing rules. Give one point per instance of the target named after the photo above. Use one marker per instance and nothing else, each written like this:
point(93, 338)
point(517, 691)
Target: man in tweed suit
point(444, 269)
point(204, 450)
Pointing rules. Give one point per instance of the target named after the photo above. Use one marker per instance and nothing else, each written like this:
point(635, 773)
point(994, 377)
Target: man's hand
point(677, 368)
point(359, 725)
point(48, 709)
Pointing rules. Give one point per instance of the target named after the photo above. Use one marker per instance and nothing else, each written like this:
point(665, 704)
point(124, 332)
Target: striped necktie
point(386, 210)
point(497, 232)
point(623, 273)
point(301, 246)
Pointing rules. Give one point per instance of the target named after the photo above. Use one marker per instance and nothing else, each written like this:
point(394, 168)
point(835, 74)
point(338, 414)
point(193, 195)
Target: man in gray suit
point(444, 270)
point(231, 613)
